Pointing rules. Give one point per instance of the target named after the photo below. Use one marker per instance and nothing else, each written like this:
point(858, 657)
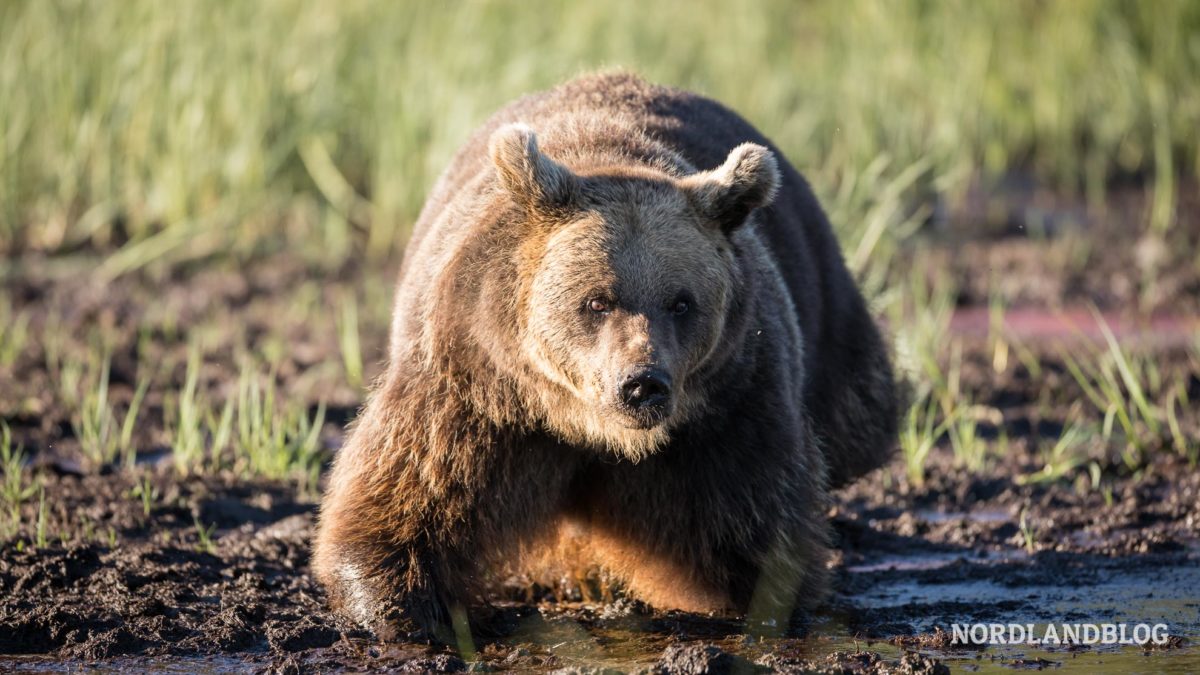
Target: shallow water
point(1167, 593)
point(631, 645)
point(1163, 594)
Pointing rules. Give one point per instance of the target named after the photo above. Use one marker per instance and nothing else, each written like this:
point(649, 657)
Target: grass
point(204, 533)
point(13, 489)
point(146, 493)
point(926, 355)
point(41, 541)
point(185, 423)
point(125, 444)
point(96, 428)
point(351, 347)
point(273, 443)
point(998, 342)
point(253, 433)
point(919, 317)
point(918, 436)
point(174, 131)
point(1129, 403)
point(103, 427)
point(1028, 533)
point(1127, 389)
point(14, 332)
point(1183, 444)
point(1061, 458)
point(970, 449)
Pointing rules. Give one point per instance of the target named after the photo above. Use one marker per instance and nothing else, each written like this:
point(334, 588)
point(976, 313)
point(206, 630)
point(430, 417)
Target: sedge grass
point(185, 129)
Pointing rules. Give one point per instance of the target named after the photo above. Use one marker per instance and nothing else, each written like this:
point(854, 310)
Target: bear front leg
point(396, 600)
point(396, 542)
point(388, 577)
point(421, 498)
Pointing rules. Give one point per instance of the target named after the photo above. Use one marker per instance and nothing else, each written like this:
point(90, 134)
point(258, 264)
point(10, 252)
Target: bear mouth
point(644, 419)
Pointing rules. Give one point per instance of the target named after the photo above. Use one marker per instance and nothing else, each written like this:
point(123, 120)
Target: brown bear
point(624, 337)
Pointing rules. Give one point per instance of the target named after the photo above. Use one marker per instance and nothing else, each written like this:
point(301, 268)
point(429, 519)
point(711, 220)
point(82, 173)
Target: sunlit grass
point(998, 342)
point(919, 434)
point(919, 316)
point(280, 442)
point(182, 130)
point(204, 536)
point(927, 354)
point(1062, 457)
point(96, 428)
point(186, 419)
point(125, 445)
point(348, 339)
point(1028, 533)
point(970, 448)
point(1115, 381)
point(14, 489)
point(14, 332)
point(146, 494)
point(103, 428)
point(254, 432)
point(41, 527)
point(1183, 443)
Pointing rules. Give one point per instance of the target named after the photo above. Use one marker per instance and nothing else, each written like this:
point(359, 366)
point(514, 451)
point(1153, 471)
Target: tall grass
point(1142, 410)
point(14, 332)
point(255, 432)
point(183, 129)
point(274, 442)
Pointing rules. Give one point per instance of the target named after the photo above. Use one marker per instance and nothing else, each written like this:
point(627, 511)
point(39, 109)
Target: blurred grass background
point(158, 132)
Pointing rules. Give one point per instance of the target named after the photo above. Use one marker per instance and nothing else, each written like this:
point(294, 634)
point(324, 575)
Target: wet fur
point(478, 445)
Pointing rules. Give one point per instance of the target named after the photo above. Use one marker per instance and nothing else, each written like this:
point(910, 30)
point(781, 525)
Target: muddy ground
point(911, 563)
point(118, 585)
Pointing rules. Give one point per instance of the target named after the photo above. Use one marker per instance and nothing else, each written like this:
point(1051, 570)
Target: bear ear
point(530, 177)
point(747, 180)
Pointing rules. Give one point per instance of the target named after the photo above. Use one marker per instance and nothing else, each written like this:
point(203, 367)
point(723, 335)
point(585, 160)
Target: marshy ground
point(1019, 494)
point(203, 206)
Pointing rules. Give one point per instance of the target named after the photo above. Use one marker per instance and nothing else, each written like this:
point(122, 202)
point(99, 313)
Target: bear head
point(628, 279)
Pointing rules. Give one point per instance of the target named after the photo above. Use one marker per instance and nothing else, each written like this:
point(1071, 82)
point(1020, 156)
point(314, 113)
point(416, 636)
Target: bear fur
point(624, 338)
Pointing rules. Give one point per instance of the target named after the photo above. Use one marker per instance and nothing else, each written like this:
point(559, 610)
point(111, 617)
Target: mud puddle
point(1161, 590)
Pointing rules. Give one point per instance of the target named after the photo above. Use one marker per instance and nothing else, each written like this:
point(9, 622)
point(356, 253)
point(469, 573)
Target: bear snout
point(645, 394)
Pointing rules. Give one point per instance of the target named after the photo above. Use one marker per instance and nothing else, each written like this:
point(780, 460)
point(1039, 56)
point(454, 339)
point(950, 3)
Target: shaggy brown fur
point(554, 265)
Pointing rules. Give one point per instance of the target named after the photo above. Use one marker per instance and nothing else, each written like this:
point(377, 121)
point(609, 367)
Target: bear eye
point(680, 307)
point(598, 306)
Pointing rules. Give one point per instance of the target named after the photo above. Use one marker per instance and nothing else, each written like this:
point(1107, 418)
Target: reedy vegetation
point(210, 128)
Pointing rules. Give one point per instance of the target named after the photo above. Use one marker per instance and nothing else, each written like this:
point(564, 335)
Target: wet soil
point(118, 586)
point(214, 575)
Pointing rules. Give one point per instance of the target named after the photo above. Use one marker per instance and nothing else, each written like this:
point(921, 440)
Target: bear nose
point(646, 389)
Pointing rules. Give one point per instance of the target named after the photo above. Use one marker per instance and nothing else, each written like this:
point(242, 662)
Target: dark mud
point(117, 586)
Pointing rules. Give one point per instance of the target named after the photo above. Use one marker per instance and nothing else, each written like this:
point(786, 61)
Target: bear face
point(627, 293)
